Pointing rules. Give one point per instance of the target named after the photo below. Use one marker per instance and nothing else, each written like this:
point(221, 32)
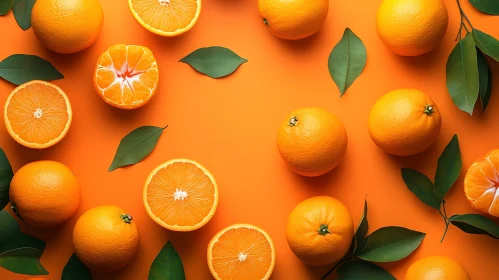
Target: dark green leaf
point(347, 60)
point(476, 224)
point(167, 265)
point(22, 12)
point(75, 270)
point(5, 6)
point(24, 240)
point(361, 231)
point(9, 228)
point(6, 175)
point(21, 68)
point(389, 244)
point(486, 43)
point(448, 168)
point(421, 186)
point(490, 7)
point(485, 78)
point(362, 270)
point(136, 146)
point(462, 75)
point(24, 260)
point(215, 62)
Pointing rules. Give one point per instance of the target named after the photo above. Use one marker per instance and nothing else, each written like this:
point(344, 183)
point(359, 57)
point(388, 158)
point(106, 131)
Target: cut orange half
point(481, 184)
point(166, 17)
point(126, 77)
point(37, 114)
point(241, 252)
point(181, 195)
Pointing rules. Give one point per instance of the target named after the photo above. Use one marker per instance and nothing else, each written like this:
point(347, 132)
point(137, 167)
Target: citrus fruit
point(67, 26)
point(436, 268)
point(181, 195)
point(319, 230)
point(105, 238)
point(241, 252)
point(166, 17)
point(44, 193)
point(404, 122)
point(293, 19)
point(37, 114)
point(481, 184)
point(312, 141)
point(126, 77)
point(412, 27)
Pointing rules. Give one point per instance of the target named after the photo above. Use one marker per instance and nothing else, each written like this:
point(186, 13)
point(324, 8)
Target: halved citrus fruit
point(180, 195)
point(166, 17)
point(126, 76)
point(37, 114)
point(481, 184)
point(240, 252)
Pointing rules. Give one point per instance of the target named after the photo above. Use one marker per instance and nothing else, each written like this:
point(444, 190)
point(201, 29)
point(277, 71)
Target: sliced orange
point(241, 252)
point(481, 184)
point(37, 114)
point(166, 17)
point(126, 77)
point(180, 195)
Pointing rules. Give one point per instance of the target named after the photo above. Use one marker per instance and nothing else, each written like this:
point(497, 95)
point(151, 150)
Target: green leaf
point(486, 43)
point(347, 60)
point(24, 260)
point(75, 270)
point(490, 7)
point(215, 62)
point(136, 145)
point(9, 228)
point(22, 240)
point(485, 78)
point(362, 270)
point(389, 244)
point(22, 12)
point(21, 68)
point(462, 75)
point(167, 265)
point(6, 175)
point(361, 231)
point(5, 6)
point(421, 186)
point(476, 224)
point(448, 168)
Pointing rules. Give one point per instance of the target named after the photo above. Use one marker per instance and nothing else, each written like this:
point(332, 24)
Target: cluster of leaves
point(21, 68)
point(21, 9)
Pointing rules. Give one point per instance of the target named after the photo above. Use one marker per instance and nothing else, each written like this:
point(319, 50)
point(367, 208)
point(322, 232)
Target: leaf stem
point(464, 20)
point(334, 267)
point(446, 220)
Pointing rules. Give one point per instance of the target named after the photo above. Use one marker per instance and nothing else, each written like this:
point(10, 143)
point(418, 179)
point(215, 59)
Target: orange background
point(229, 125)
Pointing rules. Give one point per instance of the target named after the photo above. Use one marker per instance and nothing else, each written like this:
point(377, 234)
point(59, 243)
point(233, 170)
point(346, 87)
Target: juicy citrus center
point(179, 194)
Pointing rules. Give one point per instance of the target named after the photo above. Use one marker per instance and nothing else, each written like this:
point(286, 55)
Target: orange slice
point(241, 252)
point(481, 184)
point(126, 77)
point(166, 17)
point(180, 195)
point(37, 114)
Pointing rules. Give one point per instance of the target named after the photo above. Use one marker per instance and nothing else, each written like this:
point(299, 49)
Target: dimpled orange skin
point(312, 141)
point(399, 125)
point(412, 27)
point(45, 193)
point(320, 230)
point(436, 268)
point(102, 239)
point(293, 19)
point(67, 26)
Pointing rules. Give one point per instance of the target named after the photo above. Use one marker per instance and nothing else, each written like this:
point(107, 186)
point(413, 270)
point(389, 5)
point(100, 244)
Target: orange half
point(180, 195)
point(37, 114)
point(241, 252)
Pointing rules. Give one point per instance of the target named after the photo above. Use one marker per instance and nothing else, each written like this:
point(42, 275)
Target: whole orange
point(67, 26)
point(404, 122)
point(105, 238)
point(320, 230)
point(44, 193)
point(412, 27)
point(312, 141)
point(436, 268)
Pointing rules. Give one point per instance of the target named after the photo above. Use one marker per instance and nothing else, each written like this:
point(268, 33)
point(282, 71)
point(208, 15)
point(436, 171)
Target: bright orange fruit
point(126, 77)
point(436, 268)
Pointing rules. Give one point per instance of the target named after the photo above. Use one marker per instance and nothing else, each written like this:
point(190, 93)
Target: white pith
point(179, 194)
point(242, 257)
point(494, 185)
point(38, 113)
point(164, 2)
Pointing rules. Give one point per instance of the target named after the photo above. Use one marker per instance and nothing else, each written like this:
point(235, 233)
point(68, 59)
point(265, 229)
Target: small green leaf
point(5, 6)
point(490, 7)
point(421, 186)
point(347, 60)
point(24, 260)
point(215, 62)
point(448, 168)
point(22, 12)
point(486, 43)
point(476, 224)
point(362, 270)
point(390, 244)
point(136, 145)
point(9, 228)
point(21, 68)
point(75, 270)
point(485, 78)
point(361, 231)
point(24, 240)
point(6, 175)
point(462, 75)
point(167, 265)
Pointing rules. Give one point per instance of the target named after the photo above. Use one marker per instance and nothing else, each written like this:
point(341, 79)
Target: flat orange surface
point(229, 125)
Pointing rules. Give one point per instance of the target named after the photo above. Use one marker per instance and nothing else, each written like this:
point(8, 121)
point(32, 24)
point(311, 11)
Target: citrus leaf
point(215, 62)
point(448, 168)
point(485, 79)
point(486, 43)
point(361, 231)
point(421, 186)
point(389, 244)
point(490, 7)
point(21, 68)
point(362, 270)
point(5, 6)
point(24, 260)
point(476, 224)
point(167, 265)
point(6, 175)
point(9, 228)
point(22, 12)
point(24, 240)
point(462, 75)
point(75, 270)
point(347, 60)
point(136, 145)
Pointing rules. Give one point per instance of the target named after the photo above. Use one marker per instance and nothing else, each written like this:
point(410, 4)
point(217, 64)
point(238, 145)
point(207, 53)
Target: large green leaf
point(22, 240)
point(486, 43)
point(476, 224)
point(421, 186)
point(485, 78)
point(347, 60)
point(215, 62)
point(5, 6)
point(490, 7)
point(448, 168)
point(6, 175)
point(24, 260)
point(21, 68)
point(22, 12)
point(75, 270)
point(361, 232)
point(362, 270)
point(462, 74)
point(167, 265)
point(9, 228)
